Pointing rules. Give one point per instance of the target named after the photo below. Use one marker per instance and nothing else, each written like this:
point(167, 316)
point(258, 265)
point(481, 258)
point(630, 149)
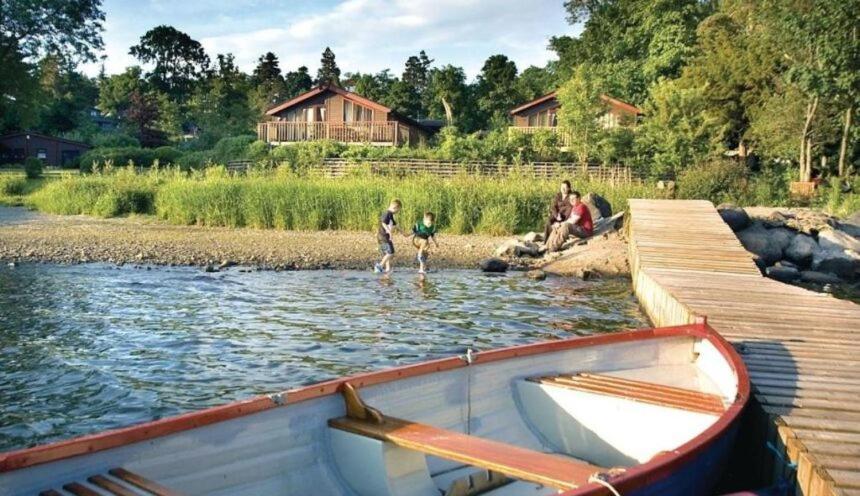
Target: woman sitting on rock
point(578, 224)
point(559, 210)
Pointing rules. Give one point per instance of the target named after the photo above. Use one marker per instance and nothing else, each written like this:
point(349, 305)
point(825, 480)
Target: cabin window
point(42, 153)
point(541, 119)
point(352, 112)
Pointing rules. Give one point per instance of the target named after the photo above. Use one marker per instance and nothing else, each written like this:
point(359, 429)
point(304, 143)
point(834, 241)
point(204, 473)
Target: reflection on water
point(90, 347)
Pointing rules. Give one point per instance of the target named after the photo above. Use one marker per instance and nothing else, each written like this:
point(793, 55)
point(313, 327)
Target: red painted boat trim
point(635, 477)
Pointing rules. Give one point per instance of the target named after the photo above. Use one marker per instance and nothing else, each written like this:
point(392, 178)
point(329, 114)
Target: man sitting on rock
point(559, 210)
point(578, 224)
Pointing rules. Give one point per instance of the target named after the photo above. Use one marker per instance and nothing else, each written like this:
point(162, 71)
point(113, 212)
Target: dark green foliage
point(179, 60)
point(718, 181)
point(231, 148)
point(114, 140)
point(329, 72)
point(33, 168)
point(117, 157)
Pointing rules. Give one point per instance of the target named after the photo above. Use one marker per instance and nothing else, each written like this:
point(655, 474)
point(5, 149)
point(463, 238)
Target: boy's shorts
point(386, 247)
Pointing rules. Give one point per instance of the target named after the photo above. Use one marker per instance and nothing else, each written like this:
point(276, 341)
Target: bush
point(114, 140)
point(122, 156)
point(231, 148)
point(195, 160)
point(718, 181)
point(105, 195)
point(167, 155)
point(33, 168)
point(12, 184)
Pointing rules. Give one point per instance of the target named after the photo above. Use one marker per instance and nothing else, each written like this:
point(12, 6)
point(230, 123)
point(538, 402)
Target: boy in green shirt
point(422, 233)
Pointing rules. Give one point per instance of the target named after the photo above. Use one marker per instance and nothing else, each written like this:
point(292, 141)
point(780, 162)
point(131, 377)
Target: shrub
point(258, 151)
point(231, 148)
point(195, 160)
point(12, 184)
point(167, 155)
point(114, 140)
point(33, 168)
point(718, 181)
point(98, 157)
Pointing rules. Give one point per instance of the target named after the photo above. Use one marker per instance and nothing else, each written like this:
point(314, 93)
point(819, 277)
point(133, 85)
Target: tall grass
point(282, 199)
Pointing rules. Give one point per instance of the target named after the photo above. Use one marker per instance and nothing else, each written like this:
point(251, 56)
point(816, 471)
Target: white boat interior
point(533, 424)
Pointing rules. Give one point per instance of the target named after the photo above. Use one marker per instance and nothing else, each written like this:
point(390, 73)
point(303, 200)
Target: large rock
point(816, 277)
point(533, 237)
point(843, 264)
point(517, 248)
point(782, 237)
point(536, 274)
point(494, 265)
point(598, 206)
point(758, 241)
point(734, 216)
point(783, 274)
point(836, 240)
point(801, 250)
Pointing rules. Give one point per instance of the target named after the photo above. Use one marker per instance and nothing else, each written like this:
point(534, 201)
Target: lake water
point(90, 347)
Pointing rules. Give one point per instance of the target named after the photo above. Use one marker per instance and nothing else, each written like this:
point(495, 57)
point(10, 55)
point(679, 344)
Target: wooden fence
point(337, 167)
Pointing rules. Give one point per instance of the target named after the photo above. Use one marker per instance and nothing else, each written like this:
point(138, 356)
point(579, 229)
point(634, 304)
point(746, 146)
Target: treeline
point(774, 84)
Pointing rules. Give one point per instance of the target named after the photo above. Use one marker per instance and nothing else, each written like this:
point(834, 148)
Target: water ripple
point(91, 347)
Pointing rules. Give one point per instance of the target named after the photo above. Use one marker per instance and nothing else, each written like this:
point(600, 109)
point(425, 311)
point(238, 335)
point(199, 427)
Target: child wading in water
point(422, 233)
point(384, 236)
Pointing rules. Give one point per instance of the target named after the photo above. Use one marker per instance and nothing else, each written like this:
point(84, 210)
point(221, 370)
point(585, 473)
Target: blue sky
point(366, 35)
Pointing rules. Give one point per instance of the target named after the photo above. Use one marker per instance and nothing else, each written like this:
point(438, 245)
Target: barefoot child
point(384, 236)
point(422, 233)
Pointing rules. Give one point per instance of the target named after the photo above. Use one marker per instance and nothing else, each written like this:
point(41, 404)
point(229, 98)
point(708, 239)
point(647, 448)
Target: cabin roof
point(552, 95)
point(322, 89)
point(349, 95)
point(44, 136)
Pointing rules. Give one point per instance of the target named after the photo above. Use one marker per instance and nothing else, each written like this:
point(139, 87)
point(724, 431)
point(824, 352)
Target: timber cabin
point(540, 113)
point(331, 112)
point(53, 151)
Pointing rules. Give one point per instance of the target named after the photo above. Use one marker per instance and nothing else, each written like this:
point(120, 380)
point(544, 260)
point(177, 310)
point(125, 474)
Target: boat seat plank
point(518, 463)
point(141, 482)
point(641, 391)
point(109, 486)
point(79, 489)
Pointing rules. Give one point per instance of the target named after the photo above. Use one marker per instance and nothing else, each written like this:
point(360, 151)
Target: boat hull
point(281, 444)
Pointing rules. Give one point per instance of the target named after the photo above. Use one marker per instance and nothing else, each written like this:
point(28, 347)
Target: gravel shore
point(27, 236)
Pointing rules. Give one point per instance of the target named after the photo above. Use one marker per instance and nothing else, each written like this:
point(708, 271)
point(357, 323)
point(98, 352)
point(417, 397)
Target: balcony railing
point(387, 133)
point(564, 137)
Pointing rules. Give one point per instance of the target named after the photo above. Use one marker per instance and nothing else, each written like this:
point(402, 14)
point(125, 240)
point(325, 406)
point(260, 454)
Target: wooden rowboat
point(651, 412)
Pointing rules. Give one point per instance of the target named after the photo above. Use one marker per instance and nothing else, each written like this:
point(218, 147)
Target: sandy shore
point(28, 236)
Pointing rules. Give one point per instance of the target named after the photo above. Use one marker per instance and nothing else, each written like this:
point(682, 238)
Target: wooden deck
point(801, 347)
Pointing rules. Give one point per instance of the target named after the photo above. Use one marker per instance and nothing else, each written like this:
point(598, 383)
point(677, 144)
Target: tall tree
point(497, 90)
point(297, 82)
point(115, 91)
point(268, 83)
point(329, 72)
point(67, 96)
point(220, 105)
point(68, 29)
point(141, 117)
point(580, 111)
point(416, 75)
point(448, 96)
point(179, 60)
point(630, 44)
point(534, 82)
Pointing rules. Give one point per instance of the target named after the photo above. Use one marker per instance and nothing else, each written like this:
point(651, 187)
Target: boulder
point(801, 250)
point(517, 248)
point(494, 265)
point(836, 240)
point(775, 219)
point(533, 237)
point(786, 263)
point(598, 206)
point(734, 216)
point(782, 237)
point(758, 241)
point(537, 275)
point(816, 277)
point(844, 265)
point(783, 274)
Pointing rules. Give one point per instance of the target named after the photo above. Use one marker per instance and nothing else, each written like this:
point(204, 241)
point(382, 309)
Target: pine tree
point(267, 69)
point(329, 72)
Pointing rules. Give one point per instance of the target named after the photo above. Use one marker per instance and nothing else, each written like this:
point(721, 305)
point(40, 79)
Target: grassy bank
point(283, 200)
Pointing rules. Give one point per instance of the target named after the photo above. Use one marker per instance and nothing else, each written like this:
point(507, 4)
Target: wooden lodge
point(331, 112)
point(15, 148)
point(541, 113)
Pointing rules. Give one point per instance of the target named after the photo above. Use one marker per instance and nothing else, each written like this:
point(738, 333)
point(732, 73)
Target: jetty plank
point(800, 347)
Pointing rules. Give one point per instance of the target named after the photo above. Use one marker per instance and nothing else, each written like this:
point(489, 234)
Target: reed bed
point(281, 199)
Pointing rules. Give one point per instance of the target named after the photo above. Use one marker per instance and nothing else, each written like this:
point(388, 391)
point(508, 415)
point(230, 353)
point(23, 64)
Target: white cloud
point(366, 35)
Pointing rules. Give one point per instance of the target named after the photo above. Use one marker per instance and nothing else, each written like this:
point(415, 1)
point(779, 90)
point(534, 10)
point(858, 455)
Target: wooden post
point(396, 132)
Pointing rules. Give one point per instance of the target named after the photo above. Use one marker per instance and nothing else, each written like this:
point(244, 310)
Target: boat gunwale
point(634, 477)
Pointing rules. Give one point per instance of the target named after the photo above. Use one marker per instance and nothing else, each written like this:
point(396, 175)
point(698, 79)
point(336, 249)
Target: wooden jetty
point(801, 347)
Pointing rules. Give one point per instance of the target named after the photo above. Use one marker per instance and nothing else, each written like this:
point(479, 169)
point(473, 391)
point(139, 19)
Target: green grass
point(281, 199)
